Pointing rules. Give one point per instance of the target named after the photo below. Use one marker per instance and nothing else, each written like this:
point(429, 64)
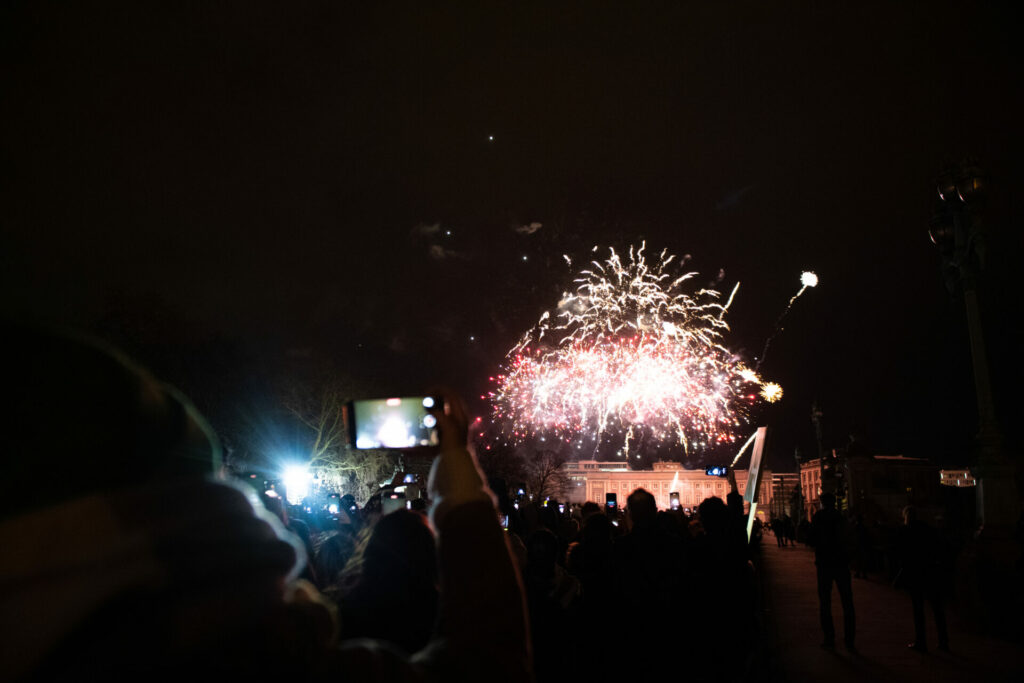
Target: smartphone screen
point(674, 499)
point(389, 502)
point(611, 501)
point(393, 422)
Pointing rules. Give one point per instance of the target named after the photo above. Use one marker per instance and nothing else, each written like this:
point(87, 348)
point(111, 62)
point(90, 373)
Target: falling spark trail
point(807, 279)
point(745, 447)
point(729, 302)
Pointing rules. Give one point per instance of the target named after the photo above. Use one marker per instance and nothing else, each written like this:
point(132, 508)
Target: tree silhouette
point(321, 414)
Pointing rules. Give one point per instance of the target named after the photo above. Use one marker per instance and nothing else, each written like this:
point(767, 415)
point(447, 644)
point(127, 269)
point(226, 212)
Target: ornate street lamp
point(957, 230)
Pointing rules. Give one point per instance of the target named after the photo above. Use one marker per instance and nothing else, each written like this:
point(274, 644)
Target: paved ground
point(884, 627)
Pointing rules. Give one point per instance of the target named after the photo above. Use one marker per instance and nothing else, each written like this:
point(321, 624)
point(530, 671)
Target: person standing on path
point(921, 563)
point(829, 538)
point(863, 552)
point(788, 531)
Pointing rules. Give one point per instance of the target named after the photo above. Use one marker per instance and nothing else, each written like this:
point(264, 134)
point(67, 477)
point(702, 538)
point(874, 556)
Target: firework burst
point(631, 355)
point(771, 392)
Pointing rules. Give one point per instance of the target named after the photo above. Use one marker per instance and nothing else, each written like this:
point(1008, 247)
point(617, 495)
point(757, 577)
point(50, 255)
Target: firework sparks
point(771, 392)
point(630, 356)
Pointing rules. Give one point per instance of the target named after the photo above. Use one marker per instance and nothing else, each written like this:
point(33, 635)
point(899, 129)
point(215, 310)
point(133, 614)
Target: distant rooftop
point(899, 457)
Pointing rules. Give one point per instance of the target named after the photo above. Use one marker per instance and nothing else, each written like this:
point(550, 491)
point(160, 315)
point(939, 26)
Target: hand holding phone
point(449, 410)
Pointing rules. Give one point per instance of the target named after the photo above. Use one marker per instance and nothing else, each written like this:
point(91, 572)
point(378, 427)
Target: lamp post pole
point(957, 231)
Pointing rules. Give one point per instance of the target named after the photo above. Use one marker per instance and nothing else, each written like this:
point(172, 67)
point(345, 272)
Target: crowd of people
point(132, 554)
point(598, 583)
point(129, 553)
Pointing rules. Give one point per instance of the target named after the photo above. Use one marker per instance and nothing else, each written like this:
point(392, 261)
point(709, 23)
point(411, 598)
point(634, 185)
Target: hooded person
point(117, 539)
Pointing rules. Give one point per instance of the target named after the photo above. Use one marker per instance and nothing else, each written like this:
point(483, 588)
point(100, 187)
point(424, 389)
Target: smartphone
point(393, 423)
point(391, 501)
point(611, 502)
point(409, 479)
point(504, 522)
point(561, 508)
point(717, 471)
point(673, 498)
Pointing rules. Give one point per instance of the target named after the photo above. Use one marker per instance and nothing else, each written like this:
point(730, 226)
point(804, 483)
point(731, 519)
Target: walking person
point(828, 536)
point(921, 563)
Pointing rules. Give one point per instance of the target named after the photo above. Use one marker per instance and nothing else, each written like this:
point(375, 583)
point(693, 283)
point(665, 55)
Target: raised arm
point(482, 628)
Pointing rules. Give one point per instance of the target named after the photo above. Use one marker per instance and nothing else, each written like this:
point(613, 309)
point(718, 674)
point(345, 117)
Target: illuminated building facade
point(962, 478)
point(591, 480)
point(810, 485)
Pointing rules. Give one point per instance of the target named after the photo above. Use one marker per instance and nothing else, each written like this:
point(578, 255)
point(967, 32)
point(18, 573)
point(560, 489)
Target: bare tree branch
point(337, 465)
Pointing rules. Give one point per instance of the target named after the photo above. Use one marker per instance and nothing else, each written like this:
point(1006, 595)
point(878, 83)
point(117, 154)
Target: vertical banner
point(754, 477)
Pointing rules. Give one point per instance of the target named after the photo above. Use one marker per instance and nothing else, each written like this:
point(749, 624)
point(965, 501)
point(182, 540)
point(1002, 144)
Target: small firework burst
point(771, 392)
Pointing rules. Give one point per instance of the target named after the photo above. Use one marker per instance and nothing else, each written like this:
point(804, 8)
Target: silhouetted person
point(921, 560)
point(828, 537)
point(395, 598)
point(551, 595)
point(863, 541)
point(590, 559)
point(788, 531)
point(650, 571)
point(801, 532)
point(589, 508)
point(331, 557)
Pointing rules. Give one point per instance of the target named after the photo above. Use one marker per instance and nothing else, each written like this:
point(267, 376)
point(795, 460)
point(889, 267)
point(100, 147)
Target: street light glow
point(296, 483)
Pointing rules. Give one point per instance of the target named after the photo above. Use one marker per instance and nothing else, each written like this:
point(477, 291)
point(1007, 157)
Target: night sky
point(231, 190)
